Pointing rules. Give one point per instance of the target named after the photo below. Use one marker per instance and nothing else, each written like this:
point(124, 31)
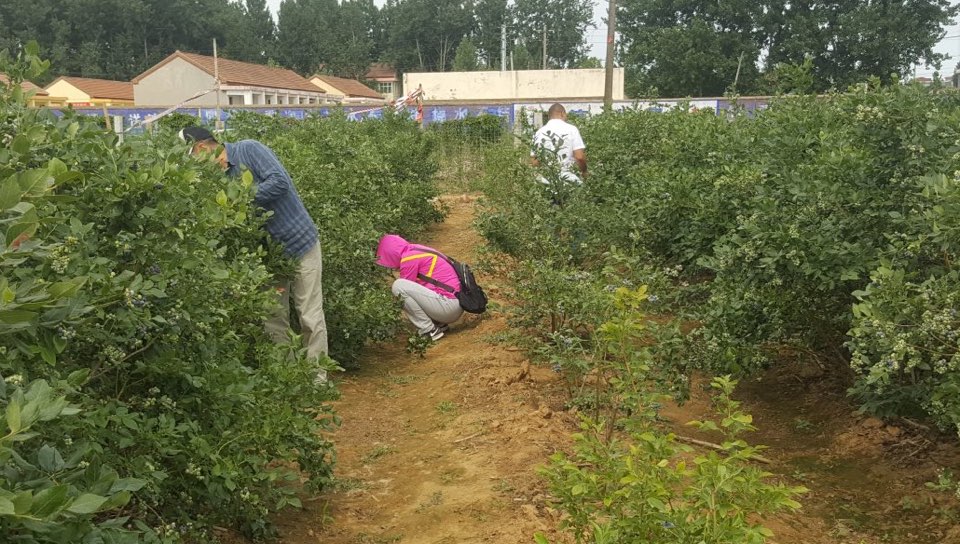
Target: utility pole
point(503, 48)
point(736, 78)
point(544, 46)
point(218, 124)
point(611, 46)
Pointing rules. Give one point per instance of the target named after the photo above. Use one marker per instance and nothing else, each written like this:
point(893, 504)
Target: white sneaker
point(433, 334)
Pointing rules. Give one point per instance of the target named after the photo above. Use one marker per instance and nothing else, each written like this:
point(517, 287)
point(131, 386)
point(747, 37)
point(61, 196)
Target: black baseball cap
point(196, 134)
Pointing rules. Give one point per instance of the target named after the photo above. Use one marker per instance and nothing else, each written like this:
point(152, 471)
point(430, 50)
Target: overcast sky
point(596, 37)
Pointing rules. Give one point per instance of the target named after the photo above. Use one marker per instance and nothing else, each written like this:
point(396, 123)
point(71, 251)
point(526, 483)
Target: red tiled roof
point(381, 70)
point(101, 88)
point(25, 85)
point(233, 72)
point(351, 87)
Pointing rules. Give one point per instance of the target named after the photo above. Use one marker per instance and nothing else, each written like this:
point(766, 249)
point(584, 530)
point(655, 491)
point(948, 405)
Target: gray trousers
point(308, 295)
point(424, 307)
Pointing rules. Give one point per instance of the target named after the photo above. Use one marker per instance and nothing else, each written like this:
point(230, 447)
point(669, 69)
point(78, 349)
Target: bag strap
point(432, 281)
point(436, 283)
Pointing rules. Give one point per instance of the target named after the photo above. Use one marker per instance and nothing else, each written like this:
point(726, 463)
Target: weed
point(402, 379)
point(450, 476)
point(418, 345)
point(364, 538)
point(388, 393)
point(446, 407)
point(436, 499)
point(802, 425)
point(348, 484)
point(376, 453)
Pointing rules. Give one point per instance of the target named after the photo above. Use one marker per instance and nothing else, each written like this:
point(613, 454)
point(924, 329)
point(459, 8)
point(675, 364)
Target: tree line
point(669, 47)
point(118, 39)
point(710, 47)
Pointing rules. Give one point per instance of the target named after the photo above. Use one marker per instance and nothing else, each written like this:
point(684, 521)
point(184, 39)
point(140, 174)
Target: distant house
point(349, 89)
point(40, 97)
point(84, 91)
point(384, 80)
point(180, 77)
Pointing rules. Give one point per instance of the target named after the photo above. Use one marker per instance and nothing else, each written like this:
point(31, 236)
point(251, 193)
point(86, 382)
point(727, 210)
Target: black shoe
point(433, 334)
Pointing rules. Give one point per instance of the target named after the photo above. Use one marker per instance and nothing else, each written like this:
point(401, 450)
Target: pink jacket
point(414, 260)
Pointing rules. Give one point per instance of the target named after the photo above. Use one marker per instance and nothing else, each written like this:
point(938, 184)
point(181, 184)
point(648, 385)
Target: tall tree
point(424, 34)
point(700, 47)
point(564, 22)
point(465, 59)
point(253, 38)
point(355, 34)
point(697, 47)
point(489, 17)
point(304, 37)
point(851, 40)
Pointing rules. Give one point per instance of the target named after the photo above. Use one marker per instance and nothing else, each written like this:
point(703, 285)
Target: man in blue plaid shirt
point(290, 225)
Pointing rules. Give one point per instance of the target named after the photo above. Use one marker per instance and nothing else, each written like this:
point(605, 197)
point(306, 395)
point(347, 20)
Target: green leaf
point(13, 414)
point(21, 144)
point(22, 502)
point(115, 501)
point(56, 167)
point(127, 484)
point(66, 288)
point(50, 459)
point(78, 377)
point(49, 501)
point(6, 507)
point(34, 182)
point(540, 539)
point(9, 193)
point(16, 317)
point(87, 503)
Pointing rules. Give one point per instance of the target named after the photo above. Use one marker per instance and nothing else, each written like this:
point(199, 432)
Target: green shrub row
point(822, 223)
point(142, 399)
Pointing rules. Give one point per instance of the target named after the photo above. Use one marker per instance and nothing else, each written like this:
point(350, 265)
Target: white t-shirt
point(562, 139)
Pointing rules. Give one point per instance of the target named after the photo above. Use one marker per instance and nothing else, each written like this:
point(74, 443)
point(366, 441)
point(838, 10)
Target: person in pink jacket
point(428, 284)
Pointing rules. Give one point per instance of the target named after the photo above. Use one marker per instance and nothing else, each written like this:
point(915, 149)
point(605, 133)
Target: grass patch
point(377, 452)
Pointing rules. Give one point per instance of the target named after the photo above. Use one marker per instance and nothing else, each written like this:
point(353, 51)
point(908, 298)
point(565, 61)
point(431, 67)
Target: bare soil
point(445, 449)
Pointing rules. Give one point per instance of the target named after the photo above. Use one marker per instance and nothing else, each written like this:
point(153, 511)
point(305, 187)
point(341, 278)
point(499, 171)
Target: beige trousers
point(308, 297)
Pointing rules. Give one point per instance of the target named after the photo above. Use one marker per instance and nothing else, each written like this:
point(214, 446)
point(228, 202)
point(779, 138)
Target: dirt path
point(444, 449)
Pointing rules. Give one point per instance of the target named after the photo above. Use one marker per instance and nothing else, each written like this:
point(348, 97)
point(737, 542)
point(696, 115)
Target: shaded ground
point(445, 449)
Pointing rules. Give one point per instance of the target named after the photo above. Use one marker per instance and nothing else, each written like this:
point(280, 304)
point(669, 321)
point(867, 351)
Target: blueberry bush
point(358, 180)
point(825, 225)
point(142, 399)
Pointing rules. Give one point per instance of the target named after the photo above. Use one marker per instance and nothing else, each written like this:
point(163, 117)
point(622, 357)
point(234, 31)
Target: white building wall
point(173, 83)
point(515, 85)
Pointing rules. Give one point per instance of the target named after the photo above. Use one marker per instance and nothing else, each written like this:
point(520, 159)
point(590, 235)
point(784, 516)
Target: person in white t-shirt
point(560, 139)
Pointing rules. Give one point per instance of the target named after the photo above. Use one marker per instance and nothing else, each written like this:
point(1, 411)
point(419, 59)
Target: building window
point(384, 87)
point(235, 100)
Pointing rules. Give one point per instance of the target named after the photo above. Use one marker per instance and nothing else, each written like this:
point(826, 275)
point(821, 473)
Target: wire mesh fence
point(460, 147)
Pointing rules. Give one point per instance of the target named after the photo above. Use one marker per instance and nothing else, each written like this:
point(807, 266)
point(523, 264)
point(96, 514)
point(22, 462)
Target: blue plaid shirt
point(290, 223)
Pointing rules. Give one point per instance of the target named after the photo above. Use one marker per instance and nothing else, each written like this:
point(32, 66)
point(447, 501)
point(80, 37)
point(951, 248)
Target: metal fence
point(461, 147)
